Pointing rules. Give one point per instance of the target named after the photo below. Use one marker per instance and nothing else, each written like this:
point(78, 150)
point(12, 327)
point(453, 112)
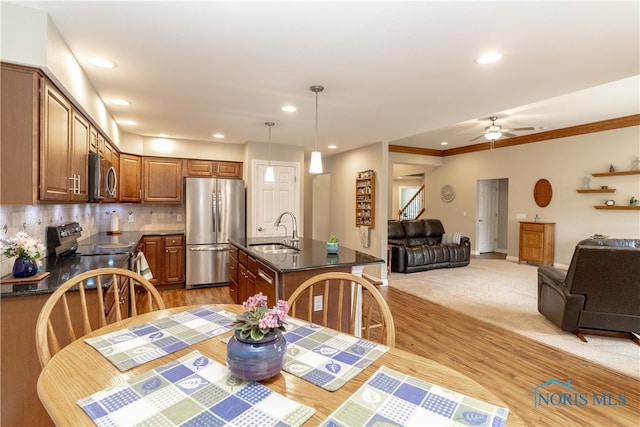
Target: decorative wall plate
point(447, 193)
point(542, 193)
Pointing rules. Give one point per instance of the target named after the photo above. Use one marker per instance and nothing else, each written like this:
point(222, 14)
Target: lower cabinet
point(165, 256)
point(242, 276)
point(537, 241)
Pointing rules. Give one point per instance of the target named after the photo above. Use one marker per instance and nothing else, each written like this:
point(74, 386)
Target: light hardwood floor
point(508, 364)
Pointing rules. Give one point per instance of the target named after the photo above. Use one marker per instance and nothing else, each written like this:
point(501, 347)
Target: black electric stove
point(62, 240)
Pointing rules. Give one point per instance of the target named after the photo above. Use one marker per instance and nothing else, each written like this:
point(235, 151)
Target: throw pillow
point(456, 238)
point(451, 238)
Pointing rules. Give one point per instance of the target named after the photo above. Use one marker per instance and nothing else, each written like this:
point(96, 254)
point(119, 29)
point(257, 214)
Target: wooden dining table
point(79, 370)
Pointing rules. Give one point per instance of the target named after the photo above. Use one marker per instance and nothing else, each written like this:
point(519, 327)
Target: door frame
point(502, 211)
point(257, 166)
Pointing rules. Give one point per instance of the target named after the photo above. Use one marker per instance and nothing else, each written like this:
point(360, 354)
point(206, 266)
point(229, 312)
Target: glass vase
point(24, 267)
point(256, 360)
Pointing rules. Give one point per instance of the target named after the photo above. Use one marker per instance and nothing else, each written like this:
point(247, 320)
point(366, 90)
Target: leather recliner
point(600, 290)
point(416, 245)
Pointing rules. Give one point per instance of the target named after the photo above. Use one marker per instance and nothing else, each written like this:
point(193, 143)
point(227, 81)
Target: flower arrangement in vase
point(27, 250)
point(257, 349)
point(332, 244)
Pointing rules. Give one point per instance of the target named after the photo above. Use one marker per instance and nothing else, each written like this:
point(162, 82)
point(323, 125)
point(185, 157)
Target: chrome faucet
point(294, 232)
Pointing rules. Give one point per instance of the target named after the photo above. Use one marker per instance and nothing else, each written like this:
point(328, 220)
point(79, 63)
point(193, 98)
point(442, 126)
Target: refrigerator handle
point(219, 211)
point(214, 212)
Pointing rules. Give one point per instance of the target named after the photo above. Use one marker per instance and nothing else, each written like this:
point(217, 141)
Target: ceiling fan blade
point(476, 138)
point(520, 129)
point(508, 135)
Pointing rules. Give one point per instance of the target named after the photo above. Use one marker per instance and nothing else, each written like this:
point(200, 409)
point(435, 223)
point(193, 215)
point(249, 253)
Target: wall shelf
point(597, 190)
point(618, 208)
point(616, 173)
point(366, 199)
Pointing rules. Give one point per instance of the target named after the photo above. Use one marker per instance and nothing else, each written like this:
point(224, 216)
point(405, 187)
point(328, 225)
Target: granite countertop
point(312, 255)
point(63, 268)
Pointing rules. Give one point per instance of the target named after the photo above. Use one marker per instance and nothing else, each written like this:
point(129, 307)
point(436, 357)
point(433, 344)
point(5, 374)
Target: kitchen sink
point(274, 248)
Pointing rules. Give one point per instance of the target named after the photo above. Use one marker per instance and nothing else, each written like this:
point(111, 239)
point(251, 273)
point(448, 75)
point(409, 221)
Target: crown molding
point(601, 126)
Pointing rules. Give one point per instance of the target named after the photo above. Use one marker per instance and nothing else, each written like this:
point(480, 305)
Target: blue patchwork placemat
point(192, 391)
point(138, 344)
point(390, 397)
point(326, 357)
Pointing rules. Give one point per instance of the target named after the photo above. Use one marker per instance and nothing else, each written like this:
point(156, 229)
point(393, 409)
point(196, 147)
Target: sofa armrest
point(554, 300)
point(551, 275)
point(398, 257)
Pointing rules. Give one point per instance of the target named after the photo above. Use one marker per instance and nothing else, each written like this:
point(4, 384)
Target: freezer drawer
point(207, 265)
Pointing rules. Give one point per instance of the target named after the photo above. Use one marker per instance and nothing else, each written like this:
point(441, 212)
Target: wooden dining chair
point(81, 305)
point(331, 300)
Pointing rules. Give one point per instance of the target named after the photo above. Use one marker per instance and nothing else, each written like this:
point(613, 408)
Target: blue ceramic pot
point(256, 360)
point(24, 267)
point(332, 248)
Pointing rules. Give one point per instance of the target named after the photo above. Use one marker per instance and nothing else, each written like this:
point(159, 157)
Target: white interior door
point(487, 226)
point(270, 199)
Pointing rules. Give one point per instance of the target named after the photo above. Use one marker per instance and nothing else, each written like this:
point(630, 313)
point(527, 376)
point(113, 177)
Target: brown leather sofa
point(599, 291)
point(417, 245)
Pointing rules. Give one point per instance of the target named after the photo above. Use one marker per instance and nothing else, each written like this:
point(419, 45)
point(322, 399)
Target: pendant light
point(316, 158)
point(269, 176)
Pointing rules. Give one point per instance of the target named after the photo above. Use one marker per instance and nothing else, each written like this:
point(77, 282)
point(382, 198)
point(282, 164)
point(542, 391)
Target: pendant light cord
point(316, 121)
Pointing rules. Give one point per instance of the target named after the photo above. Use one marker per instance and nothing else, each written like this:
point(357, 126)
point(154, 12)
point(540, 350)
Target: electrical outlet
point(317, 303)
point(131, 219)
point(521, 216)
point(179, 218)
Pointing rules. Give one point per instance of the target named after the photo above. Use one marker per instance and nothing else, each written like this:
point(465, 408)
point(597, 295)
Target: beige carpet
point(505, 293)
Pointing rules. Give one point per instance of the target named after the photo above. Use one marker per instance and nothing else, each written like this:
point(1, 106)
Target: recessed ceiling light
point(289, 109)
point(128, 122)
point(102, 63)
point(332, 147)
point(444, 143)
point(489, 58)
point(163, 135)
point(218, 135)
point(120, 102)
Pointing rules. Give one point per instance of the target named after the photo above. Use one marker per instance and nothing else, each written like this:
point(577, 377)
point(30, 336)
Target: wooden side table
point(537, 242)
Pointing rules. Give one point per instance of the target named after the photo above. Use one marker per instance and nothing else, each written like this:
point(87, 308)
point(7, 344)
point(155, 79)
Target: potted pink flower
point(257, 349)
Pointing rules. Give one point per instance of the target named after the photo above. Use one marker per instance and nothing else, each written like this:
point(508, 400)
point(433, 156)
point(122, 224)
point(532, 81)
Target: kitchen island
point(276, 267)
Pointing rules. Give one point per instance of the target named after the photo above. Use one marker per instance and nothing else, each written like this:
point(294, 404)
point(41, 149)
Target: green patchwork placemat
point(138, 344)
point(391, 398)
point(192, 391)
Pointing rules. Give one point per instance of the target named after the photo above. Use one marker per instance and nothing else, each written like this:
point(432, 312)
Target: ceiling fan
point(495, 132)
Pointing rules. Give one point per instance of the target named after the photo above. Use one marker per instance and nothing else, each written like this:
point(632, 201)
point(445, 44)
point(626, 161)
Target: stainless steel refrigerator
point(215, 210)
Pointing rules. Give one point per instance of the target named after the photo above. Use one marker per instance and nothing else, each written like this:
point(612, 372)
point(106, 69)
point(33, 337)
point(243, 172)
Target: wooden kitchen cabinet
point(199, 167)
point(537, 240)
point(212, 168)
point(63, 157)
point(19, 131)
point(79, 157)
point(228, 170)
point(165, 256)
point(162, 180)
point(173, 268)
point(129, 178)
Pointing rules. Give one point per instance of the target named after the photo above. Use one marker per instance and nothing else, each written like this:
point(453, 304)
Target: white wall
point(29, 37)
point(564, 162)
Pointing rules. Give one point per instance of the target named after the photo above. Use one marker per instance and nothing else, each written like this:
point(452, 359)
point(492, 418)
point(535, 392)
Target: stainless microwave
point(103, 182)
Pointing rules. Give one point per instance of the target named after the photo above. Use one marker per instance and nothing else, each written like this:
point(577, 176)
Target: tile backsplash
point(93, 218)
